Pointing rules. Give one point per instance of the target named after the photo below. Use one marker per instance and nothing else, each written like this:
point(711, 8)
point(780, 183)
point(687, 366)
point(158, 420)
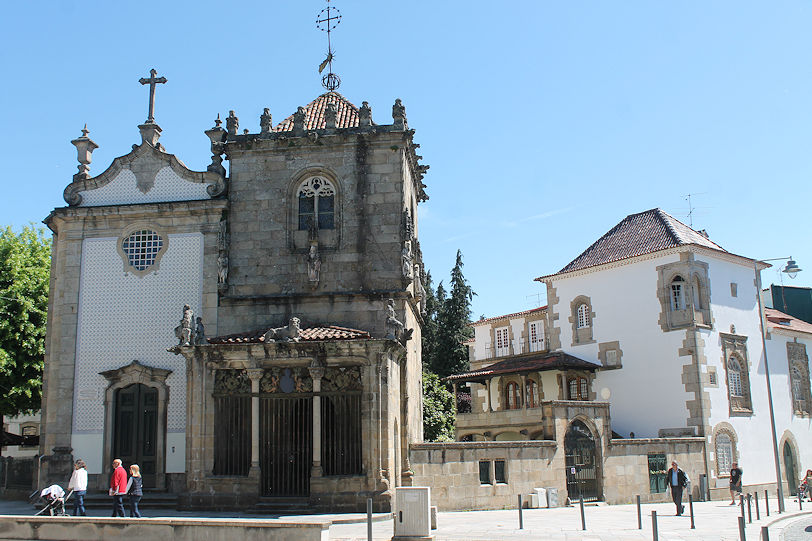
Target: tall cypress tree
point(453, 318)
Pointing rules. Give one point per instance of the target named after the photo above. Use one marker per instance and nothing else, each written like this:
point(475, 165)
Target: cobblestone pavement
point(799, 530)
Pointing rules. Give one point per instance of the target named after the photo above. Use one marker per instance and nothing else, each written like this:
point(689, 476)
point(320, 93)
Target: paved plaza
point(714, 521)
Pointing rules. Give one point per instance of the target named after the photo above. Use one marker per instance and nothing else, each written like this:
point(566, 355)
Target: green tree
point(453, 318)
point(438, 409)
point(429, 329)
point(25, 263)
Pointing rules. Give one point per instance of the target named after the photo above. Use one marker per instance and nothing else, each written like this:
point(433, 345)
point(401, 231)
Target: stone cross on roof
point(152, 81)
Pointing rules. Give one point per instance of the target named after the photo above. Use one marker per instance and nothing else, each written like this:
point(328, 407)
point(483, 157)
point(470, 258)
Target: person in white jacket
point(78, 483)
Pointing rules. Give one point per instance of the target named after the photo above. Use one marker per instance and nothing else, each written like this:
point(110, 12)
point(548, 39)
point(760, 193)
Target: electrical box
point(552, 497)
point(412, 512)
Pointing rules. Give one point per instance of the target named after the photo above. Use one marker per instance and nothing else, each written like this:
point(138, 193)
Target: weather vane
point(327, 21)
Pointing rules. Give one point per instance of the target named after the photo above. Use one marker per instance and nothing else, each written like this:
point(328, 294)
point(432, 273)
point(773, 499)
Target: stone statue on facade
point(200, 332)
point(265, 121)
point(406, 259)
point(399, 115)
point(395, 330)
point(365, 115)
point(284, 334)
point(330, 116)
point(184, 331)
point(299, 119)
point(313, 264)
point(420, 288)
point(222, 268)
point(232, 123)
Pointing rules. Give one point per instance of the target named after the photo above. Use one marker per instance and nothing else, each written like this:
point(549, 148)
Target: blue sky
point(545, 123)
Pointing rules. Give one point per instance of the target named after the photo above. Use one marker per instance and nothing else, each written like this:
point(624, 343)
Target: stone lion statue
point(284, 334)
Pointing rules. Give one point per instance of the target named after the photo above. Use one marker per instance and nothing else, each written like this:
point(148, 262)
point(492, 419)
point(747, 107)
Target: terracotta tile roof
point(547, 361)
point(639, 234)
point(311, 334)
point(781, 321)
point(346, 117)
point(516, 314)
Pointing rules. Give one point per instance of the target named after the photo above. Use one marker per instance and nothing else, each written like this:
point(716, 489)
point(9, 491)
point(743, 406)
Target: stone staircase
point(150, 500)
point(283, 506)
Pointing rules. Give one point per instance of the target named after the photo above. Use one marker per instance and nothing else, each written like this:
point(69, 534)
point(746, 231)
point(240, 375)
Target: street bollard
point(691, 506)
point(749, 509)
point(583, 516)
point(767, 502)
point(765, 535)
point(800, 501)
point(741, 501)
point(758, 513)
point(742, 537)
point(654, 535)
point(521, 519)
point(639, 515)
point(369, 519)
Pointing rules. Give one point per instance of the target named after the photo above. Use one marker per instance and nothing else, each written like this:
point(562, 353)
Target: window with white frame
point(535, 330)
point(502, 342)
point(678, 293)
point(583, 316)
point(734, 377)
point(532, 393)
point(724, 453)
point(316, 203)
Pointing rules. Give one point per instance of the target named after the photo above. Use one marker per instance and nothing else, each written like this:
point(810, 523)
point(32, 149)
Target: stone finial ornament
point(365, 114)
point(184, 331)
point(232, 123)
point(399, 115)
point(395, 330)
point(84, 151)
point(216, 135)
point(286, 334)
point(299, 120)
point(330, 115)
point(265, 121)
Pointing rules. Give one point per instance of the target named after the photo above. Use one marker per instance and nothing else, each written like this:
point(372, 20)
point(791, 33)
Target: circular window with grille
point(141, 249)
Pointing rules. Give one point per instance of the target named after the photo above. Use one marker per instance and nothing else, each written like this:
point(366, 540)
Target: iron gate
point(341, 433)
point(286, 451)
point(581, 464)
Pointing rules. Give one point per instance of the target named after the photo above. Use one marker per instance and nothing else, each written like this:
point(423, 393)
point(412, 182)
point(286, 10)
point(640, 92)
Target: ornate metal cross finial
point(327, 21)
point(152, 81)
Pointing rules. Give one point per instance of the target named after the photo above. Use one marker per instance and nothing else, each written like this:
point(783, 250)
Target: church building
point(242, 334)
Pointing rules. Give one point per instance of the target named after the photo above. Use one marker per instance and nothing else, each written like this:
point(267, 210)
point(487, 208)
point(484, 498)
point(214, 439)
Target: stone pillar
point(488, 394)
point(524, 391)
point(254, 374)
point(316, 373)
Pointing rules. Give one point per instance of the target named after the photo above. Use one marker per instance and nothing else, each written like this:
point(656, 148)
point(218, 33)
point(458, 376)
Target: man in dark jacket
point(677, 480)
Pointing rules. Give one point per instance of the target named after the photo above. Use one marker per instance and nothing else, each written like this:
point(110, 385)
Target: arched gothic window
point(316, 203)
point(725, 454)
point(698, 294)
point(678, 293)
point(734, 377)
point(513, 399)
point(532, 392)
point(583, 316)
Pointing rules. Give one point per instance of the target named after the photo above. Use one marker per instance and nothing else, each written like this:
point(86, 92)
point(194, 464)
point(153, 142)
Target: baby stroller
point(55, 500)
point(802, 490)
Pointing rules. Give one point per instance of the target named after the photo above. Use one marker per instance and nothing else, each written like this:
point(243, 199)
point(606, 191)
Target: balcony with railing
point(512, 347)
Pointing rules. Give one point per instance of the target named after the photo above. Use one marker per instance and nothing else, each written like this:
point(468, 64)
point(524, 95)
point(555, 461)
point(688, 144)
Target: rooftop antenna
point(691, 208)
point(538, 299)
point(328, 19)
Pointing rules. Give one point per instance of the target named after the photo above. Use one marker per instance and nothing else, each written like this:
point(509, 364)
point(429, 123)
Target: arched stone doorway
point(135, 405)
point(580, 454)
point(790, 468)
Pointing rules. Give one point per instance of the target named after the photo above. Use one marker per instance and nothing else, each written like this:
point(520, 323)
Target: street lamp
point(791, 269)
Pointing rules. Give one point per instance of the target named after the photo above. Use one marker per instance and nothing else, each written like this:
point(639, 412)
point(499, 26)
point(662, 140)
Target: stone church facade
point(245, 334)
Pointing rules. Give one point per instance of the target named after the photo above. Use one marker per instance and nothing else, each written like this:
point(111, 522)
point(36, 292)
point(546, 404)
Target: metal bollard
point(639, 515)
point(742, 536)
point(749, 509)
point(369, 519)
point(741, 502)
point(654, 535)
point(583, 516)
point(521, 519)
point(691, 506)
point(767, 502)
point(758, 513)
point(800, 501)
point(765, 535)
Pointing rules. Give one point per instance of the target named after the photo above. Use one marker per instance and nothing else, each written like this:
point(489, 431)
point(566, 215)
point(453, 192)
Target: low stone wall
point(155, 529)
point(626, 472)
point(452, 472)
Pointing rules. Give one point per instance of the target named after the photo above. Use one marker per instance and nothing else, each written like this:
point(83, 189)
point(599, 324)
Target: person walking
point(78, 483)
point(808, 482)
point(677, 480)
point(735, 483)
point(118, 487)
point(135, 490)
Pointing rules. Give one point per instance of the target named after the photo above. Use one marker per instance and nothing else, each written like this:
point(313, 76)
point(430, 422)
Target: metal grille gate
point(232, 434)
point(581, 463)
point(286, 451)
point(341, 433)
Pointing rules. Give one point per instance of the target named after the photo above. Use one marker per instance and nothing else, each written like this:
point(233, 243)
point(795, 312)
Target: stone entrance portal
point(135, 429)
point(581, 463)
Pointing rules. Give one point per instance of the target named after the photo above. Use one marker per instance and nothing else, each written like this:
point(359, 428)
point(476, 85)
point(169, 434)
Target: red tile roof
point(782, 321)
point(639, 234)
point(537, 363)
point(516, 314)
point(311, 334)
point(346, 117)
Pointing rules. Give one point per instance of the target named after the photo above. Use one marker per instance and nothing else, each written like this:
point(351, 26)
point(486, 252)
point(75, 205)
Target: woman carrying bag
point(135, 490)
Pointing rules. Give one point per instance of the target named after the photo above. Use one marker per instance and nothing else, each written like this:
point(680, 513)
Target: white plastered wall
point(123, 317)
point(123, 189)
